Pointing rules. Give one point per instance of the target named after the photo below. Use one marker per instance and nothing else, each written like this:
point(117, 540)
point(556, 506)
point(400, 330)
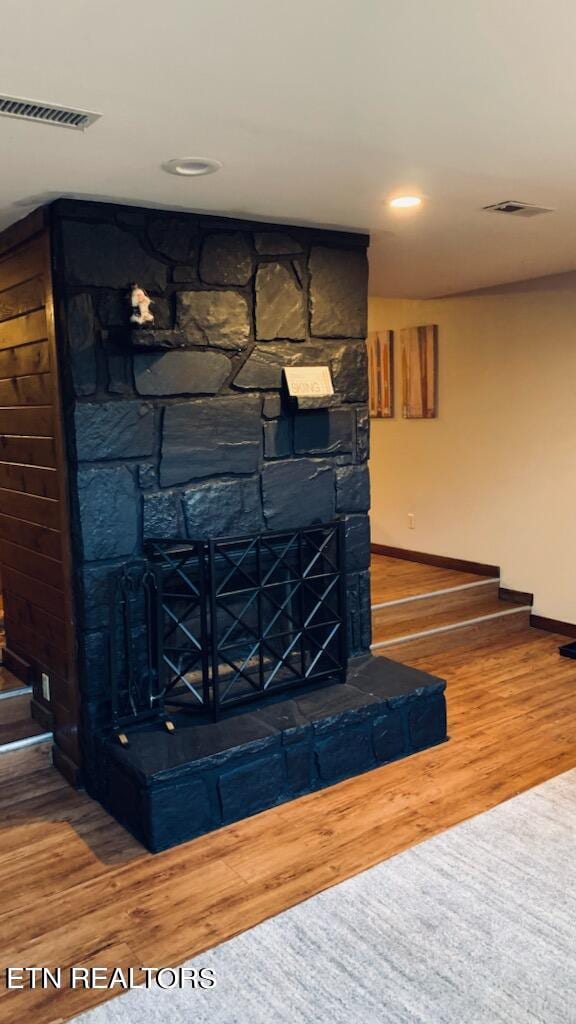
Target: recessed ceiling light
point(191, 166)
point(403, 202)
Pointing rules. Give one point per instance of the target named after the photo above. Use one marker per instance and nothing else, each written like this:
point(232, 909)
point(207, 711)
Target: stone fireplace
point(182, 431)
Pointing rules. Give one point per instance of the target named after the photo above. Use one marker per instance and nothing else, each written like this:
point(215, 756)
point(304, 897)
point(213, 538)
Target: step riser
point(432, 611)
point(25, 743)
point(17, 709)
point(17, 763)
point(462, 637)
point(451, 627)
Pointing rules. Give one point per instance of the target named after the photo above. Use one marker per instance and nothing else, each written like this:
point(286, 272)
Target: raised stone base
point(169, 788)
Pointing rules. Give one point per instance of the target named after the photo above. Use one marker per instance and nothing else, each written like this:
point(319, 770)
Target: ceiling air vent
point(516, 209)
point(46, 113)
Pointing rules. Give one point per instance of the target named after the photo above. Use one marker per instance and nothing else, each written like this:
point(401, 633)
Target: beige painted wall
point(493, 478)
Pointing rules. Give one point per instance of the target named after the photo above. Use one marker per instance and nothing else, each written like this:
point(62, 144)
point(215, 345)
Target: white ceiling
point(319, 110)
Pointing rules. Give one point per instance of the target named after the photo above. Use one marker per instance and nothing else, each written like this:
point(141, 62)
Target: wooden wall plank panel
point(21, 265)
point(22, 298)
point(28, 421)
point(35, 390)
point(36, 592)
point(29, 616)
point(38, 480)
point(33, 564)
point(35, 558)
point(31, 507)
point(24, 359)
point(23, 329)
point(23, 230)
point(34, 646)
point(28, 451)
point(35, 538)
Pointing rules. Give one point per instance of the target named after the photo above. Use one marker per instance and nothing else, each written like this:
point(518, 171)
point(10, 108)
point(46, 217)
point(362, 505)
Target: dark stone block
point(183, 274)
point(277, 438)
point(365, 609)
point(338, 292)
point(179, 373)
point(147, 338)
point(298, 758)
point(263, 368)
point(352, 489)
point(94, 606)
point(223, 508)
point(226, 258)
point(113, 308)
point(108, 512)
point(113, 430)
point(344, 751)
point(105, 256)
point(81, 330)
point(174, 237)
point(214, 318)
point(357, 543)
point(147, 475)
point(250, 789)
point(179, 812)
point(362, 434)
point(280, 303)
point(297, 493)
point(358, 606)
point(210, 436)
point(95, 657)
point(325, 432)
point(389, 736)
point(391, 681)
point(119, 374)
point(350, 372)
point(275, 243)
point(427, 722)
point(272, 407)
point(161, 516)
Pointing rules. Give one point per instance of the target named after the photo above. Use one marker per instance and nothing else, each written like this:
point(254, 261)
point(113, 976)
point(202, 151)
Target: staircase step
point(10, 683)
point(438, 611)
point(462, 636)
point(16, 723)
point(16, 763)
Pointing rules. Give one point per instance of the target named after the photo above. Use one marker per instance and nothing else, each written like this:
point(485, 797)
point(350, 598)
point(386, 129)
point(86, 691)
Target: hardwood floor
point(394, 578)
point(75, 889)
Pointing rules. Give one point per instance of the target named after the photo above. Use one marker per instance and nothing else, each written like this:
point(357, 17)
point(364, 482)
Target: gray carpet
point(475, 926)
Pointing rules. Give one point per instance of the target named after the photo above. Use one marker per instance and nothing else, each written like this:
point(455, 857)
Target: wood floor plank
point(95, 893)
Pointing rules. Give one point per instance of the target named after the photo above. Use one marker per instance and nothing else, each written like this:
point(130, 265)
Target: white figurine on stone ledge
point(140, 303)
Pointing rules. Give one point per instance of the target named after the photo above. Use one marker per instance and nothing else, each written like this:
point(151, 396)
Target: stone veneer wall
point(198, 439)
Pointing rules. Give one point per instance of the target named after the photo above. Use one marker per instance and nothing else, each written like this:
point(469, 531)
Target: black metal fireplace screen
point(207, 625)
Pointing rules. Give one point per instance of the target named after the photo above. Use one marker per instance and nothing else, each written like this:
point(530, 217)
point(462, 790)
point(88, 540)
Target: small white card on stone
point(308, 381)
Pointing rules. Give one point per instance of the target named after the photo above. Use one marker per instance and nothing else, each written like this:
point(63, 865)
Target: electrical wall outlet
point(411, 521)
point(46, 686)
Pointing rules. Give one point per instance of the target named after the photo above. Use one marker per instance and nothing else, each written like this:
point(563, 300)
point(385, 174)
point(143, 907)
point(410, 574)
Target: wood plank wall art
point(419, 355)
point(381, 373)
point(34, 531)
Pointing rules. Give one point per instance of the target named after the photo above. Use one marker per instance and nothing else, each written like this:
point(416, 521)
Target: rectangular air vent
point(516, 209)
point(46, 113)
